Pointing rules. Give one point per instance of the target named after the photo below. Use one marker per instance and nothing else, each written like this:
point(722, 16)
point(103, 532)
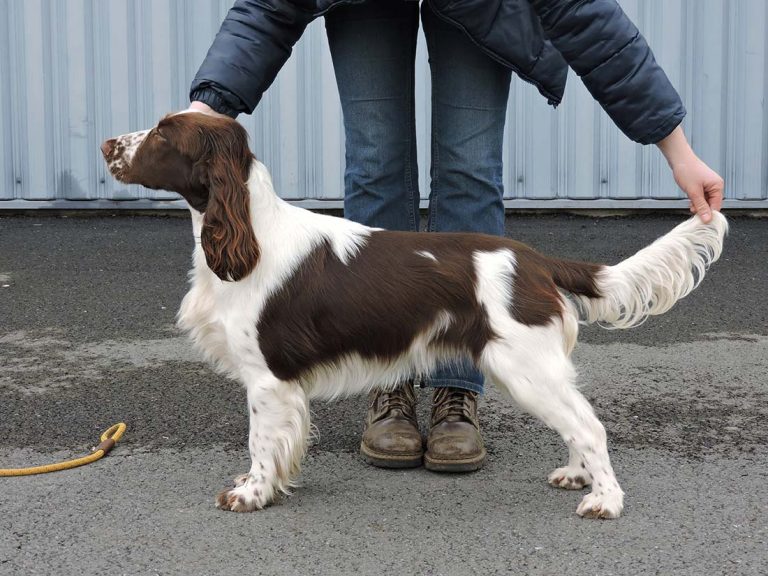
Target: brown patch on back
point(376, 304)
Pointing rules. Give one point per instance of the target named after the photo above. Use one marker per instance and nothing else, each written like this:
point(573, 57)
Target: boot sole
point(466, 465)
point(382, 460)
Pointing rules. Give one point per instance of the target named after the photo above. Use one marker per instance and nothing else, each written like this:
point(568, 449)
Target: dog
point(298, 305)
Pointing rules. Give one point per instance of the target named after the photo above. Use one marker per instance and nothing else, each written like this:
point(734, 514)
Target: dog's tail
point(648, 283)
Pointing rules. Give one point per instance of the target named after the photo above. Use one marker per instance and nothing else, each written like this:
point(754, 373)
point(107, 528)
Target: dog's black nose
point(108, 146)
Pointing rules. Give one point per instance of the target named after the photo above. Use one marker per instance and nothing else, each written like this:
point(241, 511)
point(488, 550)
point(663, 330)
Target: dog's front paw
point(570, 478)
point(607, 504)
point(246, 496)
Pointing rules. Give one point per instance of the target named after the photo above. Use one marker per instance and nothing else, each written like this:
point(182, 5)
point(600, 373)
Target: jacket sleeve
point(253, 43)
point(614, 61)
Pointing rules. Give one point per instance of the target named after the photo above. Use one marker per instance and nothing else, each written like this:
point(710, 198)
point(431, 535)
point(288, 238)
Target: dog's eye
point(156, 132)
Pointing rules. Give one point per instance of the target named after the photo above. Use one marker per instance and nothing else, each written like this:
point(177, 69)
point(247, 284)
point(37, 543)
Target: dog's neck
point(265, 203)
point(286, 233)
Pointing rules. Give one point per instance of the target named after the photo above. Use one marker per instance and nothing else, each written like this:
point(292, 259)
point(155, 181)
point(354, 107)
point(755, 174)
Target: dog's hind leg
point(279, 431)
point(542, 383)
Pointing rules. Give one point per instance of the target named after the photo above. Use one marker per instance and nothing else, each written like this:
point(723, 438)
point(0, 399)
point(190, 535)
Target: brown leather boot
point(454, 443)
point(391, 438)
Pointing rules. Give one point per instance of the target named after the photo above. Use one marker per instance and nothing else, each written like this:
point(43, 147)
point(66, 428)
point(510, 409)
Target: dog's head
point(206, 159)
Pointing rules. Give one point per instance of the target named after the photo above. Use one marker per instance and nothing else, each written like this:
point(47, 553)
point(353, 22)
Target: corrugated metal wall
point(73, 72)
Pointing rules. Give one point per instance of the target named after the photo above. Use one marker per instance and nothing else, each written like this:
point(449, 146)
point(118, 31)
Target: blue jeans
point(373, 47)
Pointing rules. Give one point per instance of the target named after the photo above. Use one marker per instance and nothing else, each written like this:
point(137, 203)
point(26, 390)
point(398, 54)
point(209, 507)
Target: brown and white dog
point(297, 305)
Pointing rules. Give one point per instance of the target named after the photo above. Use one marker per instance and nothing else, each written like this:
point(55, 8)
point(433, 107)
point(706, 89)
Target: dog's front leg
point(279, 430)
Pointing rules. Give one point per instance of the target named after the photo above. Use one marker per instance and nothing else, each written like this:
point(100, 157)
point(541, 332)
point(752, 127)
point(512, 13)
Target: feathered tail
point(648, 283)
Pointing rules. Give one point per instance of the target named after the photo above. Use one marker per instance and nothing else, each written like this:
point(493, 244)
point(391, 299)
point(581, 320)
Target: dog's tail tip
point(717, 222)
point(650, 282)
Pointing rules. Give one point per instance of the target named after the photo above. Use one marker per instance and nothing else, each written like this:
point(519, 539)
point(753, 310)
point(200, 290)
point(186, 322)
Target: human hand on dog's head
point(205, 109)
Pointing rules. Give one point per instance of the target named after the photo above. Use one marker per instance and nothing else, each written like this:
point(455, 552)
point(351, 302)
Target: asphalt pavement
point(87, 339)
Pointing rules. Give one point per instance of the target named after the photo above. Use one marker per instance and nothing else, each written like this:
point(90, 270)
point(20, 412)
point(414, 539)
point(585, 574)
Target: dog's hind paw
point(569, 478)
point(607, 504)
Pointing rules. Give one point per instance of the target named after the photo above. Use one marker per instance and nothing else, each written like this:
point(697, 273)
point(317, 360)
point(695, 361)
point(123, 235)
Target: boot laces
point(453, 402)
point(397, 399)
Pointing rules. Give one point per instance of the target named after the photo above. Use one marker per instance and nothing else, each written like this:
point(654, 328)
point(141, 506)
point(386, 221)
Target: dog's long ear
point(221, 164)
point(227, 237)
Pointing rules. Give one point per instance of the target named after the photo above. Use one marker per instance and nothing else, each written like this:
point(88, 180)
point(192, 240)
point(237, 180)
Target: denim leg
point(373, 48)
point(469, 103)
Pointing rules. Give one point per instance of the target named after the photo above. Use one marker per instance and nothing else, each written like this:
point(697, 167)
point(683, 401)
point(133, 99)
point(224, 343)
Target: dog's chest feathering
point(222, 317)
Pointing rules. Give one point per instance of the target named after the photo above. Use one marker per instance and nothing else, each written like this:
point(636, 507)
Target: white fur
point(650, 282)
point(217, 314)
point(426, 254)
point(530, 363)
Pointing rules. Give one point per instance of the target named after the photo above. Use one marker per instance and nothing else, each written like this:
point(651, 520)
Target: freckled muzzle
point(113, 151)
point(108, 147)
point(118, 152)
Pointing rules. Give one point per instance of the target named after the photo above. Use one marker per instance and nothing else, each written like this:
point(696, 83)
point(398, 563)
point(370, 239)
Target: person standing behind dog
point(474, 46)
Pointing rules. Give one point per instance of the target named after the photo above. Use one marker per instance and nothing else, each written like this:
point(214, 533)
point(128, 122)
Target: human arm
point(607, 51)
point(617, 66)
point(253, 43)
point(703, 186)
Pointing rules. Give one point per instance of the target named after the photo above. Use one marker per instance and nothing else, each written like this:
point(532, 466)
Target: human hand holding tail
point(703, 186)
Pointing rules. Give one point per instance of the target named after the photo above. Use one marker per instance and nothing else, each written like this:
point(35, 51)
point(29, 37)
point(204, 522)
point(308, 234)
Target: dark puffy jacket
point(537, 39)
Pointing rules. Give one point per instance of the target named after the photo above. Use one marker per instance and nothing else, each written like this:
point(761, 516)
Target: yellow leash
point(108, 440)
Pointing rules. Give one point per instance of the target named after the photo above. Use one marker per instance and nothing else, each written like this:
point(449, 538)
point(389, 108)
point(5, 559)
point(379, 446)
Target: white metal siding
point(77, 71)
